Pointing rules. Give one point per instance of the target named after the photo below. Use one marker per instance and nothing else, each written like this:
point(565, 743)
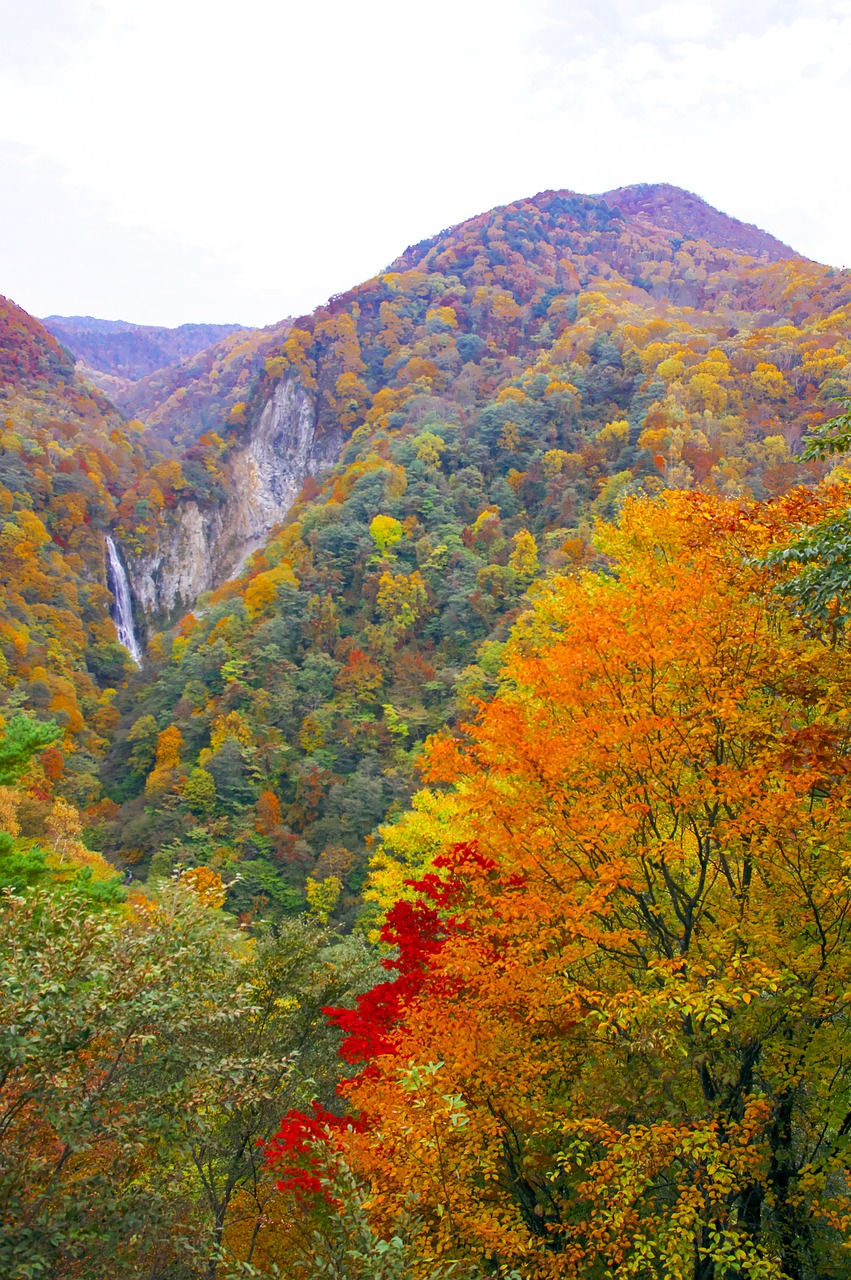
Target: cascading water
point(123, 604)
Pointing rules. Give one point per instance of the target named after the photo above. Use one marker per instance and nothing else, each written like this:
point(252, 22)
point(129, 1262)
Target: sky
point(167, 161)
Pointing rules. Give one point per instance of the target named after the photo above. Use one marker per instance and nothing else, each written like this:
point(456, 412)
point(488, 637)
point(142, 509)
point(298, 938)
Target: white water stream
point(123, 604)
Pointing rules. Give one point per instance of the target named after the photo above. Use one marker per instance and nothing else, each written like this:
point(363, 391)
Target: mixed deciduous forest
point(461, 889)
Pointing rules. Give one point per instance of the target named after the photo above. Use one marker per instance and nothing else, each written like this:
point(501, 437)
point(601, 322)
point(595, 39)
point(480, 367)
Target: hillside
point(130, 351)
point(501, 386)
point(662, 205)
point(181, 401)
point(462, 887)
point(66, 460)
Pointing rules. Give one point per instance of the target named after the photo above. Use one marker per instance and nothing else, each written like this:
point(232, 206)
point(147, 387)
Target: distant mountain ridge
point(130, 351)
point(180, 382)
point(181, 401)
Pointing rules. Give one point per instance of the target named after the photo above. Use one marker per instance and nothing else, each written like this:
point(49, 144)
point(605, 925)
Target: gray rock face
point(205, 548)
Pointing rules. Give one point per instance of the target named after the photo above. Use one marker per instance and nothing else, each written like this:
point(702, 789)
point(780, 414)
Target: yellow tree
point(524, 557)
point(169, 746)
point(402, 599)
point(385, 532)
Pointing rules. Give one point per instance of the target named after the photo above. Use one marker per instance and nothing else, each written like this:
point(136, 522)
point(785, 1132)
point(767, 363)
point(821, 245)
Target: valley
point(437, 634)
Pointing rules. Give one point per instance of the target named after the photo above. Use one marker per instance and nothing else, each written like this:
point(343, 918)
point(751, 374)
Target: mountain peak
point(687, 214)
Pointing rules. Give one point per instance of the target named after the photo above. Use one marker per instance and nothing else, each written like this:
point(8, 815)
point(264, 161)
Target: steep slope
point(545, 249)
point(226, 497)
point(499, 387)
point(204, 392)
point(66, 460)
point(188, 522)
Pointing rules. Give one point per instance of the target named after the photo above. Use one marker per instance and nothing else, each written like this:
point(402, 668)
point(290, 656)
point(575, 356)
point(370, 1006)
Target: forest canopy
point(616, 1038)
point(460, 889)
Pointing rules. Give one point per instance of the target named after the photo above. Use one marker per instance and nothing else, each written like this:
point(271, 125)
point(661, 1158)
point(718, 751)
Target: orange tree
point(617, 1041)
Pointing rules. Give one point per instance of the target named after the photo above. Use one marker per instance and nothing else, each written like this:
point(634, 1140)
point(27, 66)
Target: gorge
point(200, 549)
point(424, 769)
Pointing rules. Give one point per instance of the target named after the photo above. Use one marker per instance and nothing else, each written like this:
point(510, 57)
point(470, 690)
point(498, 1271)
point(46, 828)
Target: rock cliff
point(205, 547)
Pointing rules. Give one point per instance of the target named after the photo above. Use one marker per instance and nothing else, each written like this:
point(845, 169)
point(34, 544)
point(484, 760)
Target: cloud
point(62, 253)
point(293, 150)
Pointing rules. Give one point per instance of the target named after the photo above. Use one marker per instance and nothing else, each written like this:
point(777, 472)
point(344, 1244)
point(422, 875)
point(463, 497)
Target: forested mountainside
point(180, 382)
point(205, 392)
point(502, 386)
point(546, 517)
point(67, 457)
point(684, 213)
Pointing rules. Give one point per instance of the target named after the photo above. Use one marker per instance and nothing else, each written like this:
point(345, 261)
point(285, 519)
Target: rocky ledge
point(203, 548)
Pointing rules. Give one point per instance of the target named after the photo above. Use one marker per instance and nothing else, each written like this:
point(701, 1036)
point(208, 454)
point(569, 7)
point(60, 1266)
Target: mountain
point(456, 424)
point(507, 496)
point(66, 460)
point(388, 476)
point(130, 351)
point(216, 389)
point(662, 205)
point(180, 382)
point(179, 402)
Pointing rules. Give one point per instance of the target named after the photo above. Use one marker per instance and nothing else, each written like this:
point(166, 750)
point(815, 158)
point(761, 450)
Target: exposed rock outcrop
point(205, 547)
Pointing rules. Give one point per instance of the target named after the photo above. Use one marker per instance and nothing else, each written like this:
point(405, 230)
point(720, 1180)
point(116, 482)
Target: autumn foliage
point(489, 397)
point(617, 1040)
point(609, 1037)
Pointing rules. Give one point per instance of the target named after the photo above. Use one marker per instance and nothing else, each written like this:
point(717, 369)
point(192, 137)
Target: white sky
point(173, 160)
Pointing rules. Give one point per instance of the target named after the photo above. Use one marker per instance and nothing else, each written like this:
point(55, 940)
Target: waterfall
point(123, 604)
